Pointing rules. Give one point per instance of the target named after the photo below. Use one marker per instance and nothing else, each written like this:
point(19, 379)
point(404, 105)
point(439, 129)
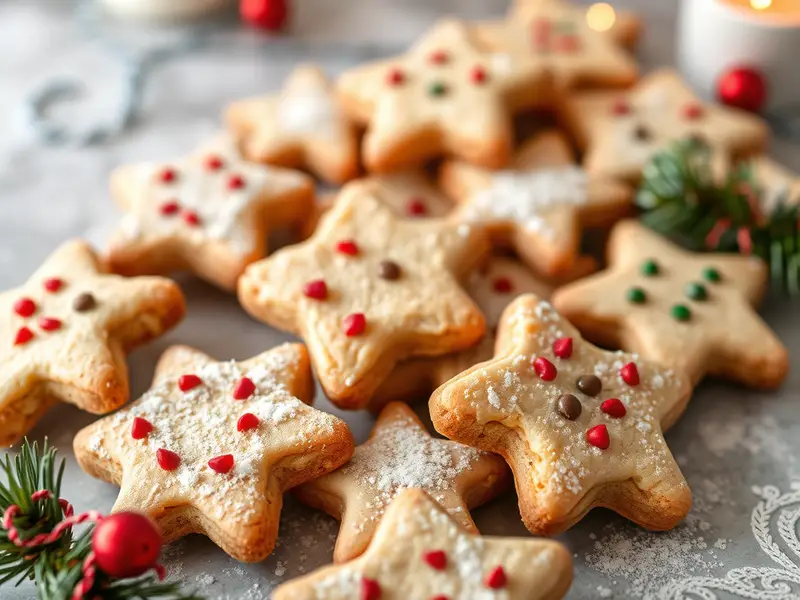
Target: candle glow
point(601, 16)
point(760, 4)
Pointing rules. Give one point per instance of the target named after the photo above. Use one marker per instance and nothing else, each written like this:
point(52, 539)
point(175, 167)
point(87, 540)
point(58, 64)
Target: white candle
point(165, 10)
point(717, 35)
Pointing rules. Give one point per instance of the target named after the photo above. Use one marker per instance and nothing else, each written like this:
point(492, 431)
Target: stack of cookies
point(428, 276)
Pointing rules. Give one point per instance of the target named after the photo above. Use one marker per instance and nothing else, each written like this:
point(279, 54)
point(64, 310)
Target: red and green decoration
point(684, 200)
point(114, 558)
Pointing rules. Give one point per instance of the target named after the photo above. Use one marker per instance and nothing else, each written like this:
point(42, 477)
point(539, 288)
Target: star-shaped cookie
point(64, 334)
point(444, 96)
point(560, 37)
point(401, 454)
point(540, 205)
point(301, 127)
point(621, 131)
point(212, 446)
point(493, 287)
point(693, 312)
point(369, 289)
point(208, 213)
point(420, 552)
point(579, 426)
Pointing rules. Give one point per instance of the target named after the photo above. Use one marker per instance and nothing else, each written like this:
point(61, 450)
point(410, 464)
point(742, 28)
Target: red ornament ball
point(269, 15)
point(743, 87)
point(126, 544)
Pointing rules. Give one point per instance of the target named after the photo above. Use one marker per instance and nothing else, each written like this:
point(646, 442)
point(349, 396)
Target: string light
point(601, 16)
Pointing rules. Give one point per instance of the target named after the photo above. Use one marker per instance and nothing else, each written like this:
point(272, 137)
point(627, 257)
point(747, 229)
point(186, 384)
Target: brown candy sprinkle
point(84, 302)
point(569, 406)
point(642, 133)
point(589, 384)
point(388, 269)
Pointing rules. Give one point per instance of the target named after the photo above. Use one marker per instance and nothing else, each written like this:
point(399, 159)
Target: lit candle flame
point(601, 16)
point(760, 4)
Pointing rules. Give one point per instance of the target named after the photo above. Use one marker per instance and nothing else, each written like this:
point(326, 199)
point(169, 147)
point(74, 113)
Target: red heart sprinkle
point(169, 208)
point(370, 589)
point(235, 182)
point(496, 579)
point(316, 289)
point(53, 284)
point(49, 323)
point(478, 75)
point(545, 369)
point(436, 559)
point(630, 374)
point(167, 459)
point(416, 207)
point(221, 464)
point(348, 247)
point(243, 389)
point(597, 436)
point(395, 77)
point(246, 422)
point(621, 107)
point(438, 57)
point(354, 324)
point(188, 382)
point(502, 285)
point(24, 335)
point(613, 407)
point(562, 347)
point(692, 111)
point(140, 428)
point(24, 307)
point(191, 218)
point(213, 162)
point(167, 175)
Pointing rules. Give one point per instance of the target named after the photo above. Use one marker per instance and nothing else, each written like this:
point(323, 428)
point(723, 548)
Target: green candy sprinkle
point(696, 291)
point(636, 295)
point(649, 268)
point(711, 274)
point(437, 89)
point(681, 312)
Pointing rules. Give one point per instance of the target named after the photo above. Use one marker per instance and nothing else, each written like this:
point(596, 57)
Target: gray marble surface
point(731, 442)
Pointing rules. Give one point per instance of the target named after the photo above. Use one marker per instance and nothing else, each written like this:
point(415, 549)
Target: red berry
point(316, 289)
point(191, 218)
point(24, 335)
point(502, 285)
point(438, 57)
point(126, 545)
point(743, 87)
point(441, 597)
point(24, 307)
point(395, 77)
point(169, 208)
point(629, 374)
point(693, 111)
point(246, 422)
point(243, 389)
point(269, 15)
point(416, 207)
point(53, 284)
point(496, 579)
point(348, 247)
point(167, 175)
point(354, 324)
point(140, 428)
point(167, 459)
point(478, 75)
point(545, 369)
point(597, 436)
point(221, 464)
point(214, 162)
point(562, 347)
point(621, 107)
point(436, 559)
point(188, 382)
point(613, 407)
point(370, 589)
point(49, 324)
point(235, 182)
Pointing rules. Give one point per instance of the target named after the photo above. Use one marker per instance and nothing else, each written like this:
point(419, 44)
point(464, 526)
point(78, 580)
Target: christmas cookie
point(492, 287)
point(65, 334)
point(579, 426)
point(369, 289)
point(443, 97)
point(401, 454)
point(212, 446)
point(621, 131)
point(693, 312)
point(208, 213)
point(776, 184)
point(420, 552)
point(565, 40)
point(540, 204)
point(302, 127)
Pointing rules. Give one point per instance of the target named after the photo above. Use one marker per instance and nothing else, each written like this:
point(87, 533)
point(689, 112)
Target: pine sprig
point(684, 197)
